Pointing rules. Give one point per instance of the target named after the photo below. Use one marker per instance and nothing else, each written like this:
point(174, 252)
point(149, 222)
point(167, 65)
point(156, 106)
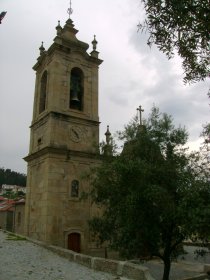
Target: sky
point(131, 74)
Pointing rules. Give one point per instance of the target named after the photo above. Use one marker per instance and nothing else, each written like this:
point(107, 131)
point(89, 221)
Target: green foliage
point(206, 133)
point(15, 237)
point(14, 195)
point(21, 194)
point(182, 26)
point(9, 177)
point(107, 149)
point(9, 194)
point(153, 194)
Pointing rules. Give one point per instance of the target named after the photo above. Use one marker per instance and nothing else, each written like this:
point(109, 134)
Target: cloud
point(132, 74)
point(187, 104)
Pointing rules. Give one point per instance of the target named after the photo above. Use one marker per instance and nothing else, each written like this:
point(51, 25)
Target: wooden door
point(74, 242)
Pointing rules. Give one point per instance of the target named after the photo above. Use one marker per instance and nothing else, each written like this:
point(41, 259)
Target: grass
point(14, 237)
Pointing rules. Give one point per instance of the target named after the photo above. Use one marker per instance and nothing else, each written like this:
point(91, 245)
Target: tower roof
point(66, 41)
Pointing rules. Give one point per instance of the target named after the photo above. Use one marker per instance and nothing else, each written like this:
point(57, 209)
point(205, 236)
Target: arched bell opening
point(76, 89)
point(43, 92)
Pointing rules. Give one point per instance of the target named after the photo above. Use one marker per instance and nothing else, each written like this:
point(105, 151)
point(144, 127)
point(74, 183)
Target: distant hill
point(9, 177)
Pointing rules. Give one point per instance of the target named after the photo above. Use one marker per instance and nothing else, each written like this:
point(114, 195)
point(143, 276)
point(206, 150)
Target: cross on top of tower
point(70, 10)
point(140, 116)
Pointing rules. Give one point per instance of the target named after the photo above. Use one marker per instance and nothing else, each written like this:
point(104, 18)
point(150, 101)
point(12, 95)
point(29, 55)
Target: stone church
point(64, 142)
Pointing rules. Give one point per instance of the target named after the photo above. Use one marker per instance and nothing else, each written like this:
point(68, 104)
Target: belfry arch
point(43, 92)
point(76, 89)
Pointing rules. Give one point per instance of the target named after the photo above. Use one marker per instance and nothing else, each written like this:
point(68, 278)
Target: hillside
point(9, 177)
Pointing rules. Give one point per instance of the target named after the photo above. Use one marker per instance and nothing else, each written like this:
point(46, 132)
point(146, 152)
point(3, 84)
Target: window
point(76, 89)
point(75, 188)
point(39, 142)
point(43, 92)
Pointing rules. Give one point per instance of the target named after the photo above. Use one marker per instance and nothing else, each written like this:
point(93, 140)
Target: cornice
point(63, 117)
point(50, 150)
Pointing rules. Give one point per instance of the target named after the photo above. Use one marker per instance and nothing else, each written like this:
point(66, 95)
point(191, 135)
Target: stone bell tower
point(64, 141)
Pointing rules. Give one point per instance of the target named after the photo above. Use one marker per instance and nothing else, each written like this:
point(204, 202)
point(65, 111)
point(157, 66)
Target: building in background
point(12, 188)
point(12, 214)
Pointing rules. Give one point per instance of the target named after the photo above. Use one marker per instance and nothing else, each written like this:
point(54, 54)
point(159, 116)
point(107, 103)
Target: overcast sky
point(132, 74)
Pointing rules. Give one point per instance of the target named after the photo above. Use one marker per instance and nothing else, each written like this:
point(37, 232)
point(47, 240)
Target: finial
point(140, 116)
point(58, 28)
point(2, 15)
point(94, 42)
point(107, 134)
point(108, 147)
point(70, 10)
point(42, 49)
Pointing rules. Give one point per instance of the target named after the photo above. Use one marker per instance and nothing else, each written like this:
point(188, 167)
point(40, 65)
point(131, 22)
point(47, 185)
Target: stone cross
point(70, 10)
point(140, 116)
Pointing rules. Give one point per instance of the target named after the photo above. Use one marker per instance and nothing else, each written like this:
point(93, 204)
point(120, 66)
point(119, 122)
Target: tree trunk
point(167, 267)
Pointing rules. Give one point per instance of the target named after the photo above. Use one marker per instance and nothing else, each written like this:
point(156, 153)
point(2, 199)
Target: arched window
point(75, 188)
point(43, 92)
point(76, 89)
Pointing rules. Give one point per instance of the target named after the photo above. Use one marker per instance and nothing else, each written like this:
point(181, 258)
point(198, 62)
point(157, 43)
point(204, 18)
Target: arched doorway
point(74, 242)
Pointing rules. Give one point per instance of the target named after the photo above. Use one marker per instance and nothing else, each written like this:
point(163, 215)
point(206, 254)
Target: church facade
point(64, 142)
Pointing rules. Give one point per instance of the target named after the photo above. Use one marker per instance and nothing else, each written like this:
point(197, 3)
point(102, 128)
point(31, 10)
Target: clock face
point(76, 133)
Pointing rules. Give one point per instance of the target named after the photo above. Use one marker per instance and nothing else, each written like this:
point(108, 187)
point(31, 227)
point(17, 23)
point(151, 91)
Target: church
point(64, 142)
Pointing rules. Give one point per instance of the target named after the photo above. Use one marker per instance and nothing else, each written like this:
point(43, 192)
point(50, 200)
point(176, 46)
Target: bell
point(74, 96)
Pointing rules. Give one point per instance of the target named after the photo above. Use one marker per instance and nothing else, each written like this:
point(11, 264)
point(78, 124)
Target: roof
point(8, 204)
point(6, 207)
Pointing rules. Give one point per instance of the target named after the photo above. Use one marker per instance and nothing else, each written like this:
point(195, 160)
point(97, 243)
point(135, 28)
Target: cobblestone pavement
point(23, 260)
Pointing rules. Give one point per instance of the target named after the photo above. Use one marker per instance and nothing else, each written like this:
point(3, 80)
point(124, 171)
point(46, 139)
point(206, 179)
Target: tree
point(9, 177)
point(151, 195)
point(181, 26)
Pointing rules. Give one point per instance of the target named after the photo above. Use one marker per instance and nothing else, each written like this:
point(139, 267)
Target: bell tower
point(64, 141)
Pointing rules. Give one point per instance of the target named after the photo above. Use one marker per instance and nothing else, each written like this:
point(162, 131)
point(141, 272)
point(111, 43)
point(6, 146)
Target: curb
point(198, 277)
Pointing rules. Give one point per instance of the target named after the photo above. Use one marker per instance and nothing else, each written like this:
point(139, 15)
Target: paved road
point(179, 270)
point(23, 260)
point(190, 255)
point(188, 265)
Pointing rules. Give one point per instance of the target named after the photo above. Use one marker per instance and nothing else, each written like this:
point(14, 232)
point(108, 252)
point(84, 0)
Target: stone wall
point(3, 219)
point(19, 214)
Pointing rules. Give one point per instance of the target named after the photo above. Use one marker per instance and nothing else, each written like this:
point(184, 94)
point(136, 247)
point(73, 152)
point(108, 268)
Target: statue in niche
point(75, 188)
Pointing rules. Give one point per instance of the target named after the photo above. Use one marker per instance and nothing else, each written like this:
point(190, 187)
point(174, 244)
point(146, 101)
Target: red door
point(74, 242)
